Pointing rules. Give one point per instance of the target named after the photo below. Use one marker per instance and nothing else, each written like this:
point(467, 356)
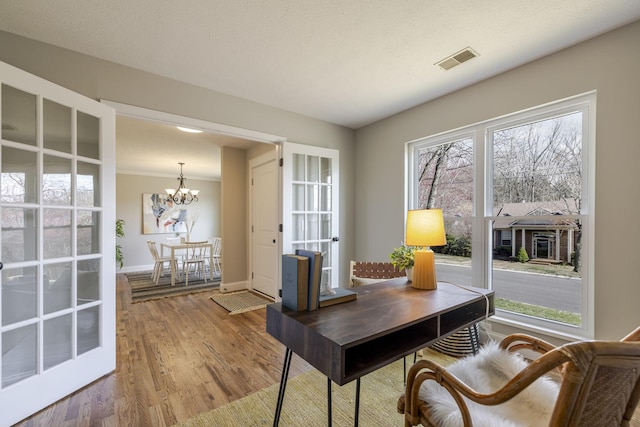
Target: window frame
point(481, 270)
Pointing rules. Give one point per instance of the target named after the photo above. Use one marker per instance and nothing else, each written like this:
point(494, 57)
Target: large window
point(516, 193)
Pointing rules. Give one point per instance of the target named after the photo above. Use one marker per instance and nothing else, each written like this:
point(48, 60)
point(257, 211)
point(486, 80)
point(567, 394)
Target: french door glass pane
point(325, 198)
point(57, 341)
point(19, 230)
point(88, 185)
point(19, 354)
point(19, 302)
point(325, 226)
point(313, 173)
point(298, 197)
point(56, 235)
point(312, 227)
point(297, 223)
point(56, 130)
point(56, 181)
point(298, 167)
point(88, 136)
point(57, 287)
point(312, 197)
point(18, 176)
point(18, 115)
point(88, 329)
point(325, 170)
point(88, 281)
point(88, 232)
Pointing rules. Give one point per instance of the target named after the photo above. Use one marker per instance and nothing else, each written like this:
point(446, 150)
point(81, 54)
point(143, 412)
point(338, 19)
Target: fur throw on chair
point(487, 372)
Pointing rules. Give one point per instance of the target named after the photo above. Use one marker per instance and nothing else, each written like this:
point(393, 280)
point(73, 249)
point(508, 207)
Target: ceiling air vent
point(457, 58)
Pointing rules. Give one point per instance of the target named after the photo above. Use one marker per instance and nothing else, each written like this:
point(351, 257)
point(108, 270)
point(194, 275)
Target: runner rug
point(144, 289)
point(240, 302)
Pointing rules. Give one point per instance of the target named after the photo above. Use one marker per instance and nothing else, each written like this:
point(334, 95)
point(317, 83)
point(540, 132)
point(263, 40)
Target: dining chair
point(215, 269)
point(159, 262)
point(196, 256)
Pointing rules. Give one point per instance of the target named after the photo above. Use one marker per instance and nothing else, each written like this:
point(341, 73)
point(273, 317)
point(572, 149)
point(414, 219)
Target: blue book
point(295, 282)
point(315, 277)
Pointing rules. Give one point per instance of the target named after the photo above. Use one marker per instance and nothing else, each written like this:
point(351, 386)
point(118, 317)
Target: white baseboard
point(234, 286)
point(134, 268)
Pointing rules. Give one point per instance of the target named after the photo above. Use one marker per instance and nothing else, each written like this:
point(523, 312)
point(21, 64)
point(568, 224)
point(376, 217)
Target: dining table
point(175, 247)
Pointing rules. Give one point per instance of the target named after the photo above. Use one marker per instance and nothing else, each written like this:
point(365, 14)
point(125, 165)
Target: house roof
point(531, 210)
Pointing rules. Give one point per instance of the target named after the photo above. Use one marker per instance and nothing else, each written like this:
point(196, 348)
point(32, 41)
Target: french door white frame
point(330, 239)
point(47, 384)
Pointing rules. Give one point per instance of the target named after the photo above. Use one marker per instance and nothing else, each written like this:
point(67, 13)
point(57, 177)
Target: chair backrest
point(375, 270)
point(600, 382)
point(153, 249)
point(217, 246)
point(197, 250)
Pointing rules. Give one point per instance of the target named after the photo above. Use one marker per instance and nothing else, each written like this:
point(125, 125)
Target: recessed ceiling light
point(190, 130)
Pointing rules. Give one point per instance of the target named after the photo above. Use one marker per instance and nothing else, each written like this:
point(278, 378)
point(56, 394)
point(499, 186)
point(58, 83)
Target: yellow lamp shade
point(425, 227)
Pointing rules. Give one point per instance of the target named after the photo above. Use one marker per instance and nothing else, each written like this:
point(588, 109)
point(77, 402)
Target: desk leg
point(283, 385)
point(329, 405)
point(357, 414)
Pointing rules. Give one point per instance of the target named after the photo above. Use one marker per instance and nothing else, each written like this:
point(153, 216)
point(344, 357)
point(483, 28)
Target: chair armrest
point(417, 411)
point(516, 342)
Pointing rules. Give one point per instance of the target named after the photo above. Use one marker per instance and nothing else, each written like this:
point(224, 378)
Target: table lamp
point(425, 227)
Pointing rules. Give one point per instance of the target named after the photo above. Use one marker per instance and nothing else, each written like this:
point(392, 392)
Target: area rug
point(240, 302)
point(144, 289)
point(305, 402)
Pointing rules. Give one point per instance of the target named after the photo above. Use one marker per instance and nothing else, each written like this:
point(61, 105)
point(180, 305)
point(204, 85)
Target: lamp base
point(424, 270)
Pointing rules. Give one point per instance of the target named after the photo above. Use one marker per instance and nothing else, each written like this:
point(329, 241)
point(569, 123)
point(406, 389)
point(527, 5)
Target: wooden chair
point(599, 383)
point(215, 269)
point(196, 256)
point(372, 272)
point(159, 262)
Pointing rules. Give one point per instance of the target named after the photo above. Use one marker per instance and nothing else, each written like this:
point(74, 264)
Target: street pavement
point(559, 293)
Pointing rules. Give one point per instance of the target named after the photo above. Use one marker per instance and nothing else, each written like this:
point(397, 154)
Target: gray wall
point(609, 64)
point(129, 190)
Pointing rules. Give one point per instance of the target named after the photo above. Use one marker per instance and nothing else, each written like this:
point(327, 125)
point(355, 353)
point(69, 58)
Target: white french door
point(57, 205)
point(310, 193)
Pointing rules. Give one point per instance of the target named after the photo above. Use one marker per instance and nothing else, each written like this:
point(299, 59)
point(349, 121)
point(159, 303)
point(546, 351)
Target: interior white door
point(57, 205)
point(310, 190)
point(264, 224)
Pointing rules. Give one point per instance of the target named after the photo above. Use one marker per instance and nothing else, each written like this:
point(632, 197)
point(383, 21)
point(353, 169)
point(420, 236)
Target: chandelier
point(182, 196)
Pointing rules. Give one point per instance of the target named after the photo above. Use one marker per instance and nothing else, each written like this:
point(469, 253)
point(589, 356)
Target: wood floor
point(176, 357)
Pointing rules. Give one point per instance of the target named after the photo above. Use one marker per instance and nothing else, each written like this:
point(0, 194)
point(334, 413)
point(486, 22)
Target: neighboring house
point(528, 225)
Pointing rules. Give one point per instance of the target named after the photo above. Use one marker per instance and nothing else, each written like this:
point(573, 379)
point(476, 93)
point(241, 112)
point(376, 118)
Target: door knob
point(335, 239)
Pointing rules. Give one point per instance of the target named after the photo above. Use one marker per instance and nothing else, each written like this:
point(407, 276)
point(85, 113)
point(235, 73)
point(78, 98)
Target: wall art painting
point(161, 215)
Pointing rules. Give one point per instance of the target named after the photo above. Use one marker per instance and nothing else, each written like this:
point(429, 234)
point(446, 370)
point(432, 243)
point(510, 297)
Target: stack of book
point(301, 277)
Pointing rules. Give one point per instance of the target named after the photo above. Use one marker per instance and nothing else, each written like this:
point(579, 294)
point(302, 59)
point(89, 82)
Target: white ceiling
point(349, 62)
point(154, 148)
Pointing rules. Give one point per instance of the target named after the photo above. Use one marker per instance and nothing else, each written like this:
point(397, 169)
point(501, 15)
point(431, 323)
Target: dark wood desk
point(388, 321)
